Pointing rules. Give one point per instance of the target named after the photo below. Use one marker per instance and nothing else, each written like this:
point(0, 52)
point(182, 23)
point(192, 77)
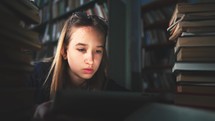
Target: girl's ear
point(63, 53)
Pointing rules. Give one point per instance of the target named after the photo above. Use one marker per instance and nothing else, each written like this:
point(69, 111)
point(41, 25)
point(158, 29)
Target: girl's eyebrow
point(81, 44)
point(101, 46)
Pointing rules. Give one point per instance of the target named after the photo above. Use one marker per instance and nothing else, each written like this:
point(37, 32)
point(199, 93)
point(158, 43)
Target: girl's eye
point(99, 51)
point(81, 50)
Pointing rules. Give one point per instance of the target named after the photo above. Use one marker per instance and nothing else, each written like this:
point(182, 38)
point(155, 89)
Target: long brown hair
point(78, 19)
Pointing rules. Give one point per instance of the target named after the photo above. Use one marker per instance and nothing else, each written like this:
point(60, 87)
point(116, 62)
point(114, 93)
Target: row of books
point(41, 2)
point(157, 15)
point(61, 7)
point(159, 81)
point(16, 47)
point(192, 28)
point(157, 51)
point(157, 57)
point(52, 32)
point(155, 36)
point(56, 27)
point(58, 7)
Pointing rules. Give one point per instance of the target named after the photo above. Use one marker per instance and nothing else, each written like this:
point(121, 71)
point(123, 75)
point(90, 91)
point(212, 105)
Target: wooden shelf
point(157, 68)
point(157, 4)
point(159, 24)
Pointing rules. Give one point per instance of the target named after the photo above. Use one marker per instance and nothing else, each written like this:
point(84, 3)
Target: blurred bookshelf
point(18, 43)
point(53, 15)
point(157, 52)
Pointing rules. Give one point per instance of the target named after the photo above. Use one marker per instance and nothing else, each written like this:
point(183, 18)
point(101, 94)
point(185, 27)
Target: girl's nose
point(89, 59)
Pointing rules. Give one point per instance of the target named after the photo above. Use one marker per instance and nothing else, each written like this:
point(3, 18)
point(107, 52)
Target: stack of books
point(192, 27)
point(17, 46)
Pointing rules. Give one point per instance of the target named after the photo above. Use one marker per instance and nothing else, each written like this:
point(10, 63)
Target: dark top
point(39, 75)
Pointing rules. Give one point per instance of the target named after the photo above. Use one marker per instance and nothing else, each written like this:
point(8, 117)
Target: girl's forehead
point(87, 35)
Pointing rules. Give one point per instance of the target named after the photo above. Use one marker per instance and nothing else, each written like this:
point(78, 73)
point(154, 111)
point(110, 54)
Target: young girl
point(80, 60)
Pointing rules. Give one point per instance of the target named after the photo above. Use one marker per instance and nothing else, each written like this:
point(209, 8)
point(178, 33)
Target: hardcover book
point(193, 66)
point(195, 77)
point(195, 100)
point(192, 10)
point(200, 88)
point(195, 54)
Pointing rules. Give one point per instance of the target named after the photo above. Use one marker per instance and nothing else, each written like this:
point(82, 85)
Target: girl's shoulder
point(44, 62)
point(42, 65)
point(39, 73)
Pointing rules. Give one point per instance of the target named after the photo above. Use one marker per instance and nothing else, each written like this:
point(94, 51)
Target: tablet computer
point(99, 104)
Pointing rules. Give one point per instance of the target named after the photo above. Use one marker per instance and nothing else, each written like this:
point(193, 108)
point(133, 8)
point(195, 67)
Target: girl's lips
point(88, 71)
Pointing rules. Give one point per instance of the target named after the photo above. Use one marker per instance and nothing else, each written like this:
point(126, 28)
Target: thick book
point(193, 34)
point(15, 55)
point(192, 10)
point(195, 100)
point(196, 88)
point(195, 77)
point(25, 8)
point(193, 66)
point(206, 29)
point(10, 65)
point(195, 41)
point(181, 26)
point(195, 54)
point(108, 105)
point(19, 41)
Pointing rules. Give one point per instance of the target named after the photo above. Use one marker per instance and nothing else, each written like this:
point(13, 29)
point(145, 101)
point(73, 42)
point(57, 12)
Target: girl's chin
point(87, 76)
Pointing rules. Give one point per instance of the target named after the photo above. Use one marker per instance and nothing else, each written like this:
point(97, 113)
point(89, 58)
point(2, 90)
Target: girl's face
point(84, 53)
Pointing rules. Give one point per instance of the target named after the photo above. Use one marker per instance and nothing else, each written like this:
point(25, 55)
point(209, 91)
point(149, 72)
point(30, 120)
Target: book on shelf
point(193, 66)
point(196, 88)
point(195, 77)
point(191, 11)
point(159, 81)
point(195, 100)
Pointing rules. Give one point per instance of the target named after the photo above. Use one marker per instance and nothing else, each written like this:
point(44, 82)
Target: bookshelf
point(55, 12)
point(157, 52)
point(17, 45)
